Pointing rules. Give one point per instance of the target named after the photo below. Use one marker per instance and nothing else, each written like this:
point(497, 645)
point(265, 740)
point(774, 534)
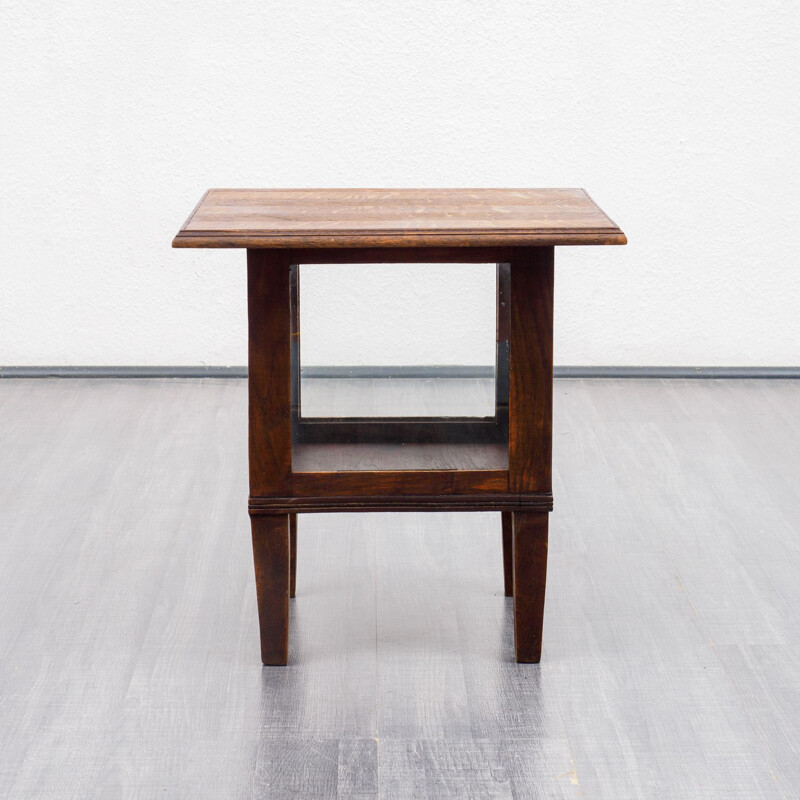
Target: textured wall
point(398, 314)
point(680, 118)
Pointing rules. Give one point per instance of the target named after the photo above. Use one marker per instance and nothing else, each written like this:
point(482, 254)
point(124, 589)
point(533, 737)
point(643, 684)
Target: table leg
point(508, 568)
point(530, 436)
point(271, 558)
point(292, 554)
point(530, 575)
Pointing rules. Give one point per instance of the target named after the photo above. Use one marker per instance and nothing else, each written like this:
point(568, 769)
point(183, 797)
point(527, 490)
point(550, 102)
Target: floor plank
point(128, 635)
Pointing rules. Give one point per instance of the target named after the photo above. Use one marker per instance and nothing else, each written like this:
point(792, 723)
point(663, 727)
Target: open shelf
point(398, 457)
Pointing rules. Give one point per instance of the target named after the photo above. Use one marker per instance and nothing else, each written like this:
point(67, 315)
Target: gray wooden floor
point(128, 636)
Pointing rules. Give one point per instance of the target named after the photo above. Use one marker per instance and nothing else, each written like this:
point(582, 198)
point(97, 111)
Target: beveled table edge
point(411, 238)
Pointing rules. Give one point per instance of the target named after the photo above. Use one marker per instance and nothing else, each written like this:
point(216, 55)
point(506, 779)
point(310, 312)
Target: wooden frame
point(523, 412)
point(494, 429)
point(396, 218)
point(514, 228)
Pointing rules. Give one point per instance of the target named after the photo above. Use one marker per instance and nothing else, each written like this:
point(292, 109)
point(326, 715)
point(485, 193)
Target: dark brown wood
point(294, 347)
point(502, 463)
point(531, 371)
point(401, 502)
point(269, 371)
point(508, 562)
point(402, 255)
point(329, 218)
point(422, 430)
point(271, 560)
point(502, 350)
point(292, 555)
point(399, 457)
point(530, 577)
point(425, 482)
point(504, 295)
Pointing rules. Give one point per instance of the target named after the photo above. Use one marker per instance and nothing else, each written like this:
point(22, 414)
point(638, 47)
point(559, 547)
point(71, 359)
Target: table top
point(289, 218)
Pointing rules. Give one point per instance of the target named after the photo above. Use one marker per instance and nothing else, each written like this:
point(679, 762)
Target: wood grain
point(271, 558)
point(352, 475)
point(396, 218)
point(531, 372)
point(292, 555)
point(269, 371)
point(396, 457)
point(391, 482)
point(508, 553)
point(530, 574)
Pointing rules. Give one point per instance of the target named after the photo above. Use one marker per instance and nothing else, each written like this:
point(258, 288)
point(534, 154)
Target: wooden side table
point(498, 463)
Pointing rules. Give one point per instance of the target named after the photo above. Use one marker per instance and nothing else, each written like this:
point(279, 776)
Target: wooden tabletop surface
point(292, 218)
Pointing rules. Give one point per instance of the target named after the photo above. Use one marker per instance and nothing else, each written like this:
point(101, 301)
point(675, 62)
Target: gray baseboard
point(677, 372)
point(399, 372)
point(123, 372)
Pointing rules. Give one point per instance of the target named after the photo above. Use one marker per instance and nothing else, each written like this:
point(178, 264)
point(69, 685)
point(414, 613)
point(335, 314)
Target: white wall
point(389, 314)
point(680, 118)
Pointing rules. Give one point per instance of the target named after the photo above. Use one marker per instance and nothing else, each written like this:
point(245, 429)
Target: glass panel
point(399, 366)
point(387, 392)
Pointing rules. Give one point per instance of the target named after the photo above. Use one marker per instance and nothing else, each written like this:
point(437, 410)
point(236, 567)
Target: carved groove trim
point(541, 501)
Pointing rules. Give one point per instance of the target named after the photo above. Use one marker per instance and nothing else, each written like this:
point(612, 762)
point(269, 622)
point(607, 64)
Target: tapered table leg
point(271, 558)
point(530, 575)
point(292, 554)
point(508, 564)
